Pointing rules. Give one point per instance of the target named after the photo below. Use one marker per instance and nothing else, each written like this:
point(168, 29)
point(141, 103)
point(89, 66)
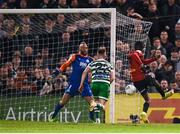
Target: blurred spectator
point(25, 19)
point(10, 27)
point(173, 85)
point(126, 75)
point(177, 30)
point(177, 78)
point(1, 18)
point(62, 61)
point(74, 4)
point(162, 60)
point(178, 64)
point(174, 57)
point(121, 6)
point(25, 29)
point(61, 83)
point(16, 61)
point(28, 58)
point(141, 7)
point(4, 5)
point(23, 4)
point(177, 43)
point(170, 10)
point(165, 43)
point(118, 68)
point(10, 84)
point(153, 16)
point(153, 67)
point(1, 59)
point(45, 4)
point(11, 72)
point(49, 24)
point(38, 61)
point(60, 25)
point(61, 4)
point(157, 52)
point(12, 4)
point(39, 80)
point(164, 85)
point(131, 13)
point(157, 45)
point(120, 86)
point(21, 79)
point(2, 32)
point(96, 4)
point(4, 73)
point(166, 72)
point(47, 60)
point(71, 28)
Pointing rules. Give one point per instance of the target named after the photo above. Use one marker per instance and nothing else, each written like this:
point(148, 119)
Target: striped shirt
point(101, 70)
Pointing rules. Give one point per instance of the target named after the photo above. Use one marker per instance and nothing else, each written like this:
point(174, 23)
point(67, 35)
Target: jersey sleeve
point(90, 65)
point(68, 62)
point(145, 61)
point(148, 61)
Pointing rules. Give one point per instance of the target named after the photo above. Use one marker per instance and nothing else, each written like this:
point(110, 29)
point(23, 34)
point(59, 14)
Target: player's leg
point(88, 96)
point(66, 97)
point(146, 104)
point(101, 91)
point(141, 86)
point(155, 83)
point(101, 104)
point(92, 105)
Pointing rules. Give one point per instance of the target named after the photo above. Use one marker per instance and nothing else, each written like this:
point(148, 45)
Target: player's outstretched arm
point(58, 70)
point(84, 74)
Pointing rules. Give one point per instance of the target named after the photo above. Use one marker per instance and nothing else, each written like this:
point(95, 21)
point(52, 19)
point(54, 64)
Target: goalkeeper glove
point(54, 75)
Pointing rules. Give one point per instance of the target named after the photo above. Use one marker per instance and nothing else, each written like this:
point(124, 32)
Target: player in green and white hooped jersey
point(102, 76)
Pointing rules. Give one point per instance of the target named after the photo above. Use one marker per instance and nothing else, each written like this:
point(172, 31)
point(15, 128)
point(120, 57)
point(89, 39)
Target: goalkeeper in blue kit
point(78, 62)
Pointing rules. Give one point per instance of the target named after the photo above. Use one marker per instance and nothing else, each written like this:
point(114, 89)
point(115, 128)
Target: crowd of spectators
point(31, 46)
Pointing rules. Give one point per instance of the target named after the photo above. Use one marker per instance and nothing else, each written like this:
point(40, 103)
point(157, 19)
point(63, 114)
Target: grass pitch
point(47, 127)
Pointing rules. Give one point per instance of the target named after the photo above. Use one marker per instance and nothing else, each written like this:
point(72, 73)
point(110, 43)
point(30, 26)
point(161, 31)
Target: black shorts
point(142, 86)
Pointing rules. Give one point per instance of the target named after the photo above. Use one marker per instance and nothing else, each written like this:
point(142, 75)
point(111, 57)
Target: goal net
point(34, 42)
point(128, 31)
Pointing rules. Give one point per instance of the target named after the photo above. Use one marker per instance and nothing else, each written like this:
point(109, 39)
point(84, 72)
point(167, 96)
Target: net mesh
point(35, 44)
point(128, 31)
point(32, 45)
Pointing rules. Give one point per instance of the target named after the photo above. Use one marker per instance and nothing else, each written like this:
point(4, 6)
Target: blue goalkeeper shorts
point(72, 90)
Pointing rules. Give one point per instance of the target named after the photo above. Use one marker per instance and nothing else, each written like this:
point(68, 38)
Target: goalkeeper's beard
point(83, 53)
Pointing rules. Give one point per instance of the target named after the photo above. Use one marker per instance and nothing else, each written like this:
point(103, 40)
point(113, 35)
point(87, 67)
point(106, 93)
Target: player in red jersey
point(141, 79)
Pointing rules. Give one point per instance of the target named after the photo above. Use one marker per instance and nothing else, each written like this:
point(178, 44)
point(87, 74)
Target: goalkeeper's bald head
point(83, 48)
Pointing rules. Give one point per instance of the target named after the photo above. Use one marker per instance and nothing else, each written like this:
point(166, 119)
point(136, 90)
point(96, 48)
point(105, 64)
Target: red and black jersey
point(136, 60)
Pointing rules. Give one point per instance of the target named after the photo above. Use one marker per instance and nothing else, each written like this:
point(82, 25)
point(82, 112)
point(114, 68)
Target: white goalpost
point(35, 42)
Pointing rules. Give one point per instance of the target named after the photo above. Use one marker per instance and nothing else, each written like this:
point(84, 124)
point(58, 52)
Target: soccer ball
point(130, 89)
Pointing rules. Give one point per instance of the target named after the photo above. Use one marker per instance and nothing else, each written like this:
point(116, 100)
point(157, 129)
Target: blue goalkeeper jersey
point(78, 63)
point(78, 66)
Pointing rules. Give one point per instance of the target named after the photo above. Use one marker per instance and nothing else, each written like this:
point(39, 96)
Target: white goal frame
point(111, 11)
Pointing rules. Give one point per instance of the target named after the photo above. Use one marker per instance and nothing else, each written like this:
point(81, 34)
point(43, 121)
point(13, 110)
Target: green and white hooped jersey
point(101, 70)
